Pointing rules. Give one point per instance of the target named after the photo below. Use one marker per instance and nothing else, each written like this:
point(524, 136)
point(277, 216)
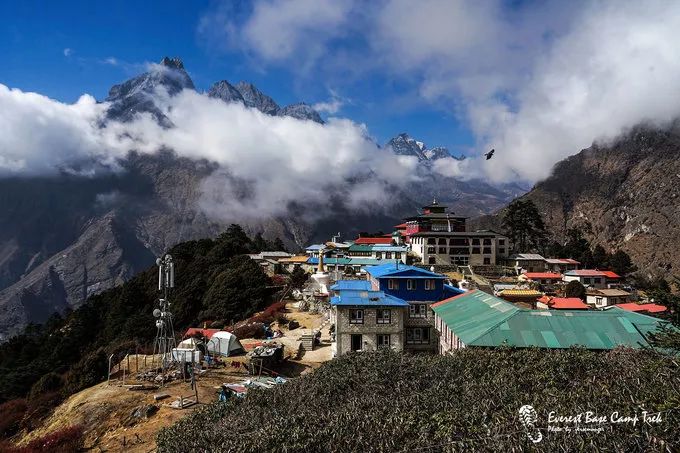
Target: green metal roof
point(360, 248)
point(480, 319)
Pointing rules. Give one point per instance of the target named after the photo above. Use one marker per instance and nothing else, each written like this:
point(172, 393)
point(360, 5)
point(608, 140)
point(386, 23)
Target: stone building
point(364, 319)
point(390, 308)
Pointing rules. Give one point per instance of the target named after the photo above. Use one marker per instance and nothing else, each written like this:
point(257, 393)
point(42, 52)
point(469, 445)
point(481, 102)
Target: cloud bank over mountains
point(265, 162)
point(537, 81)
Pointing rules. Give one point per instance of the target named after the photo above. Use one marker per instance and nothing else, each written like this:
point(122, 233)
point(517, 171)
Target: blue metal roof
point(356, 285)
point(393, 270)
point(315, 247)
point(450, 291)
point(367, 299)
point(350, 261)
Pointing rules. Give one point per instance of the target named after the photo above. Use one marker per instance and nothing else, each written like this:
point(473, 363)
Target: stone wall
point(369, 329)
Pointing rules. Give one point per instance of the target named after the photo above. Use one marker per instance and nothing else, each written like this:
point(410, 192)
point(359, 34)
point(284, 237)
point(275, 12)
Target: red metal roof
point(446, 301)
point(401, 226)
point(569, 261)
point(567, 303)
point(544, 299)
point(650, 308)
point(208, 333)
point(610, 274)
point(380, 240)
point(544, 275)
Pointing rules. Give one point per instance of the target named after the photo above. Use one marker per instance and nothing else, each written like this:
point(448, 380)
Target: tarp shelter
point(189, 343)
point(224, 343)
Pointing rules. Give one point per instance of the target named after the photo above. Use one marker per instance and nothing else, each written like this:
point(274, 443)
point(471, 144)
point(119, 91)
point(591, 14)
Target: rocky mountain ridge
point(64, 238)
point(622, 195)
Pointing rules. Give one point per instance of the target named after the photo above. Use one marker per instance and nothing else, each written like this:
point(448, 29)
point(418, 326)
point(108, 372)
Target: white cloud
point(277, 30)
point(68, 52)
point(265, 162)
point(39, 135)
point(111, 61)
point(536, 81)
point(331, 106)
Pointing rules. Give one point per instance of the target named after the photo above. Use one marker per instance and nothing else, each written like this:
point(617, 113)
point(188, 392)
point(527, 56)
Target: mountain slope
point(68, 236)
point(623, 195)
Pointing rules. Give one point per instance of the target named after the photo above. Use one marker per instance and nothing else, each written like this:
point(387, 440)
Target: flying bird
point(489, 155)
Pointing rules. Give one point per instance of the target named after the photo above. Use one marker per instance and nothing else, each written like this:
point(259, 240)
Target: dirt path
point(105, 410)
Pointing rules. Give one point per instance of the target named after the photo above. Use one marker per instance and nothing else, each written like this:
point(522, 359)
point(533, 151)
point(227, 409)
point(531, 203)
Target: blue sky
point(538, 80)
point(35, 34)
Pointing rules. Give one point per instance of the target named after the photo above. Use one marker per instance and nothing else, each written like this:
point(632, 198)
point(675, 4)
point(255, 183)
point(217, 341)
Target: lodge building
point(439, 237)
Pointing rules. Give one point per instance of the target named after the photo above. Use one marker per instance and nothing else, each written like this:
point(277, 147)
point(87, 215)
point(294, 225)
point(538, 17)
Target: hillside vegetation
point(214, 281)
point(389, 402)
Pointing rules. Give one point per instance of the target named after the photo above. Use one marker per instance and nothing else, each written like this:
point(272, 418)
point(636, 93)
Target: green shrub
point(49, 383)
point(385, 402)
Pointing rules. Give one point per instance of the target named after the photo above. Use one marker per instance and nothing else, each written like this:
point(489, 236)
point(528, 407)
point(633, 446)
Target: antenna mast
point(165, 332)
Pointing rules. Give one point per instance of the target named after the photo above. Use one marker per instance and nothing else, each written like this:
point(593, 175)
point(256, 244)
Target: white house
point(587, 277)
point(600, 298)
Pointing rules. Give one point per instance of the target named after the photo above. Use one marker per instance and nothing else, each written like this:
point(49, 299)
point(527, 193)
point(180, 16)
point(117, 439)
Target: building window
point(356, 316)
point(460, 251)
point(418, 335)
point(382, 316)
point(487, 241)
point(458, 241)
point(397, 255)
point(586, 281)
point(475, 241)
point(429, 285)
point(388, 255)
point(417, 311)
point(392, 284)
point(378, 255)
point(460, 260)
point(442, 250)
point(501, 251)
point(410, 284)
point(442, 241)
point(598, 301)
point(596, 281)
point(475, 250)
point(432, 259)
point(487, 261)
point(383, 340)
point(430, 250)
point(487, 250)
point(501, 242)
point(432, 241)
point(357, 342)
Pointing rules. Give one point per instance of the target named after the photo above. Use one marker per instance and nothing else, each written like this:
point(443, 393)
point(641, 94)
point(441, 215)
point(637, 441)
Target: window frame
point(380, 318)
point(417, 335)
point(420, 313)
point(411, 284)
point(383, 336)
point(353, 319)
point(393, 284)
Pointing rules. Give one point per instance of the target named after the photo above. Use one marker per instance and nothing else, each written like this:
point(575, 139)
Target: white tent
point(189, 343)
point(224, 343)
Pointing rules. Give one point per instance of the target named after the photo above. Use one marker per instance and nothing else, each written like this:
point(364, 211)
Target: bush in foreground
point(385, 402)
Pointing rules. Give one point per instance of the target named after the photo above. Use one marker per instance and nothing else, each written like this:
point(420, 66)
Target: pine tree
point(524, 225)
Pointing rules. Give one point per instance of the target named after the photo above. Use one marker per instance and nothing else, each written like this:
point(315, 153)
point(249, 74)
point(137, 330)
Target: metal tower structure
point(165, 332)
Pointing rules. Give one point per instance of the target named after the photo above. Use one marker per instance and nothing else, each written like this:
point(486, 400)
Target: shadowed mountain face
point(623, 195)
point(65, 237)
